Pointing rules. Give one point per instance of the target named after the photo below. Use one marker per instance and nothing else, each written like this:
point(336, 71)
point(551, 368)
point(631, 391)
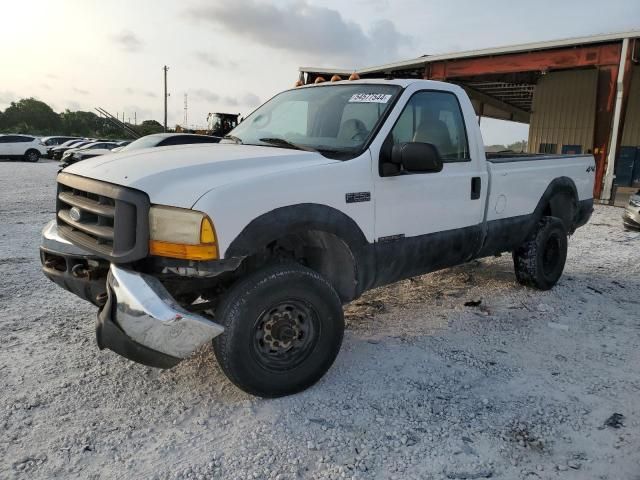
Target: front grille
point(108, 220)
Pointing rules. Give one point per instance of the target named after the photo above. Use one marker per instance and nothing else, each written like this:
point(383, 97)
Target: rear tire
point(32, 156)
point(283, 330)
point(540, 260)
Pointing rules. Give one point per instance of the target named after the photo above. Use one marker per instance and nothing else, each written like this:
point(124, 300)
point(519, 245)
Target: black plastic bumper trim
point(89, 289)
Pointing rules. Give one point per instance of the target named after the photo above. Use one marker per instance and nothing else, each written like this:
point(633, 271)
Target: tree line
point(517, 147)
point(35, 117)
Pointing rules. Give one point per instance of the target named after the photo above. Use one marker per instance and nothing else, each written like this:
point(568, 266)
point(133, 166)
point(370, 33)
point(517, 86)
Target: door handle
point(476, 186)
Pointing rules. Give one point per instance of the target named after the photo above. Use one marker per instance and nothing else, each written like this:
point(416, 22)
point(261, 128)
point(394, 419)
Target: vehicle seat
point(434, 131)
point(353, 129)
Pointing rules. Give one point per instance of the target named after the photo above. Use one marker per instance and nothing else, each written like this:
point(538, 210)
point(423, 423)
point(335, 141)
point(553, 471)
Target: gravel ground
point(520, 386)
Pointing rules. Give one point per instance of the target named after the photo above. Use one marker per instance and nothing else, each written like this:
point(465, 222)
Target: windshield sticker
point(369, 98)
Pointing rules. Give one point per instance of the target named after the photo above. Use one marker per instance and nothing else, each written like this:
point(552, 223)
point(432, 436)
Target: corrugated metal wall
point(564, 108)
point(631, 132)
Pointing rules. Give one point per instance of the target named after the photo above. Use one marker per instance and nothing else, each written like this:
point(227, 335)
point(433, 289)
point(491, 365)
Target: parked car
point(321, 194)
point(57, 152)
point(631, 215)
point(55, 141)
point(21, 147)
point(68, 157)
point(84, 153)
point(148, 141)
point(167, 139)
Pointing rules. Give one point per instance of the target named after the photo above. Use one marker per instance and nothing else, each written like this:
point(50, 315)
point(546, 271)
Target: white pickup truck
point(322, 193)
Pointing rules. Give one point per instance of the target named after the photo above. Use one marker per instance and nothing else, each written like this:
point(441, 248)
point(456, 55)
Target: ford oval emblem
point(75, 214)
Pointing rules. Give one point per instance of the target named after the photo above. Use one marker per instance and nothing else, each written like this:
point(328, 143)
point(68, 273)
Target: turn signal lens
point(182, 251)
point(207, 234)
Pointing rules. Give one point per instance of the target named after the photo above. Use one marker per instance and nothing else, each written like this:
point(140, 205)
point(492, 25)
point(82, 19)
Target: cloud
point(206, 95)
point(73, 105)
point(136, 91)
point(251, 100)
point(304, 28)
point(80, 91)
point(46, 86)
point(128, 41)
point(212, 61)
point(207, 59)
point(6, 97)
point(247, 100)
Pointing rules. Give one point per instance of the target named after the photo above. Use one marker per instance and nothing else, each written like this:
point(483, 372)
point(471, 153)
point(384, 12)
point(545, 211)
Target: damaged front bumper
point(141, 321)
point(138, 318)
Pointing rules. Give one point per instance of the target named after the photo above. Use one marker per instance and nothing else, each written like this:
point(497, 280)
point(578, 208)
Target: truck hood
point(180, 175)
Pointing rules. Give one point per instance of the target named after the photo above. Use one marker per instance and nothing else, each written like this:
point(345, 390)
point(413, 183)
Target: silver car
point(631, 215)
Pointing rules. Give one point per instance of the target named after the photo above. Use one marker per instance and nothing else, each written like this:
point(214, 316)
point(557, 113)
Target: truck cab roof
point(402, 82)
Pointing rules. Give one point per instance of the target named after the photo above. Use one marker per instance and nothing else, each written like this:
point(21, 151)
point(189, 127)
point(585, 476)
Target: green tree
point(520, 146)
point(30, 116)
point(148, 127)
point(82, 124)
point(33, 116)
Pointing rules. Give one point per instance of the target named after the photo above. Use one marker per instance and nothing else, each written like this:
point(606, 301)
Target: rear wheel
point(32, 156)
point(283, 329)
point(540, 260)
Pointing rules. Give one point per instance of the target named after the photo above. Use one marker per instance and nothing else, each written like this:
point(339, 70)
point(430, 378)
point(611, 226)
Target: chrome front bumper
point(147, 314)
point(139, 320)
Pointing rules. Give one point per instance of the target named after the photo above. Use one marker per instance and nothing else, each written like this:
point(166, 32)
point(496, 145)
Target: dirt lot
point(425, 387)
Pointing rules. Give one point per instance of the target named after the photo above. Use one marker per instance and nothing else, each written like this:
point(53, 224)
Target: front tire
point(540, 260)
point(32, 156)
point(283, 330)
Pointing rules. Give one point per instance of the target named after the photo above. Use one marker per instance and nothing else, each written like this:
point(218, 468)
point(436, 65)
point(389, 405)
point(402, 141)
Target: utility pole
point(165, 68)
point(186, 115)
point(135, 118)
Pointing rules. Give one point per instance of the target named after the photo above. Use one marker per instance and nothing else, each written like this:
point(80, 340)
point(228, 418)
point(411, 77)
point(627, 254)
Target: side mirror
point(417, 157)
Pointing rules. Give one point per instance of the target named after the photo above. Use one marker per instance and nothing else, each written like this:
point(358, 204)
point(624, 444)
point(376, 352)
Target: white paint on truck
point(321, 194)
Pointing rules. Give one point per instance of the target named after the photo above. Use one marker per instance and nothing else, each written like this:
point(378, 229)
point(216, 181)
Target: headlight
point(181, 233)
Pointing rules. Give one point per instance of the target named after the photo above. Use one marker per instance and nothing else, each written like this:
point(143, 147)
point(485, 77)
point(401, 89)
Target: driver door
point(428, 221)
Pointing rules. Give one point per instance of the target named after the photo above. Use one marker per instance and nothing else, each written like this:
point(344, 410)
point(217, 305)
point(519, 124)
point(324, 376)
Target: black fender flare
point(556, 186)
point(302, 218)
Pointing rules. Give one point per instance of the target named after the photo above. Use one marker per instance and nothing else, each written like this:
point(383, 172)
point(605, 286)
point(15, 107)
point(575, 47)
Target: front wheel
point(283, 329)
point(540, 260)
point(32, 156)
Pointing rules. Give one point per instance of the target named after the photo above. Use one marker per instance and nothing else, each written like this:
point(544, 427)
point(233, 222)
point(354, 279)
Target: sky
point(230, 56)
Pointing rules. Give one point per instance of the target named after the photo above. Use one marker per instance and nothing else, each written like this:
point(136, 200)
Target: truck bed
point(517, 182)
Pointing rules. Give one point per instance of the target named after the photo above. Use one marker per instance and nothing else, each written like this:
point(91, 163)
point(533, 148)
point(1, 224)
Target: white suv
point(22, 147)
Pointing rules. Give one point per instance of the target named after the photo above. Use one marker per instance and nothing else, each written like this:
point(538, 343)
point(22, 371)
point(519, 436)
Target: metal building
point(578, 95)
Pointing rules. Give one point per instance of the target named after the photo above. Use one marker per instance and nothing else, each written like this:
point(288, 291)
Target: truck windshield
point(335, 120)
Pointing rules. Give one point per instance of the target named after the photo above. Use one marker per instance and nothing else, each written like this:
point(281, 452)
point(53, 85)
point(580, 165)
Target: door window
point(436, 118)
